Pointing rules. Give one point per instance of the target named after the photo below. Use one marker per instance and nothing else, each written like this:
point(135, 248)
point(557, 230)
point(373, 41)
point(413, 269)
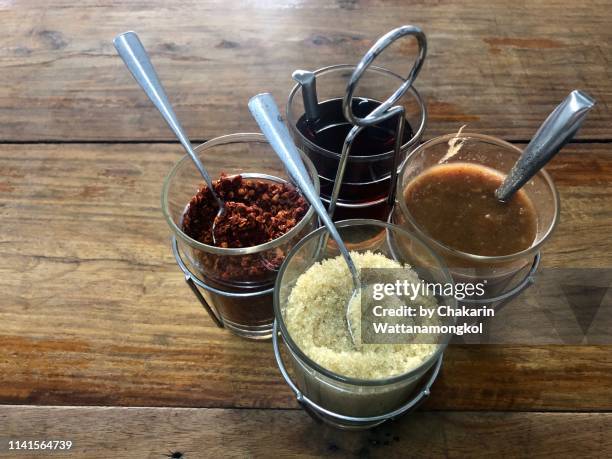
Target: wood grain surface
point(94, 310)
point(155, 432)
point(498, 66)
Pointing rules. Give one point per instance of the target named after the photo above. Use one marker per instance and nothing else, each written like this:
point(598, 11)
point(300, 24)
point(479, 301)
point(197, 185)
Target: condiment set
point(358, 158)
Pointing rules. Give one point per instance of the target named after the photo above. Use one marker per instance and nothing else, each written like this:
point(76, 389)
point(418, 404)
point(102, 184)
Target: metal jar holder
point(383, 112)
point(505, 297)
point(357, 205)
point(351, 422)
point(195, 284)
point(515, 291)
point(498, 302)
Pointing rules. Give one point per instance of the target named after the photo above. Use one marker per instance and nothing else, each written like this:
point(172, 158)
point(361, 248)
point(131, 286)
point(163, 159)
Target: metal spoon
point(137, 61)
point(558, 129)
point(265, 111)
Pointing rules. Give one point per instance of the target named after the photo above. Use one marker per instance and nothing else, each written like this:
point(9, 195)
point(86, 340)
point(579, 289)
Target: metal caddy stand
point(195, 284)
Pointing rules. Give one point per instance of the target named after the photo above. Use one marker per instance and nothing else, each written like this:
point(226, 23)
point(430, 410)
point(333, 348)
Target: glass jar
point(244, 312)
point(367, 175)
point(337, 396)
point(237, 271)
point(499, 272)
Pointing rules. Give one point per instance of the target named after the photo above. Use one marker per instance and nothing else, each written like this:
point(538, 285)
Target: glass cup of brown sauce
point(446, 195)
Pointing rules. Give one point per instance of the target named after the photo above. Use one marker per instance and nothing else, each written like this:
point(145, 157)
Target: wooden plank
point(197, 433)
point(94, 310)
point(499, 67)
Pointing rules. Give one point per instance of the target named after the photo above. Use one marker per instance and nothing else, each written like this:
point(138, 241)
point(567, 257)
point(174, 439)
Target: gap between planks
point(199, 141)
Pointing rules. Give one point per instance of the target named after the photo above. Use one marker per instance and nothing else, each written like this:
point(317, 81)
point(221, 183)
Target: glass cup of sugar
point(354, 402)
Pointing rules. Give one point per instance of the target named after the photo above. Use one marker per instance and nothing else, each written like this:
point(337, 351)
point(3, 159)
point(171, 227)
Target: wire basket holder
point(385, 111)
point(343, 421)
point(192, 281)
point(197, 286)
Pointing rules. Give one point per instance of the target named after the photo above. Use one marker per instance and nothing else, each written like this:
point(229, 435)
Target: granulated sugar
point(315, 319)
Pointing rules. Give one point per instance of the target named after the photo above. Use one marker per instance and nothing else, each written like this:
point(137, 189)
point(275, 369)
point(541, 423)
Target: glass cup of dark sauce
point(366, 184)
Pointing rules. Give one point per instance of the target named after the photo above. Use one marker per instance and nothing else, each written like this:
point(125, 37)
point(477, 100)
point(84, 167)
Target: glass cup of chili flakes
point(240, 262)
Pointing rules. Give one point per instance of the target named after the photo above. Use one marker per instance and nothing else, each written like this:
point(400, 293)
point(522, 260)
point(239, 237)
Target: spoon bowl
point(557, 130)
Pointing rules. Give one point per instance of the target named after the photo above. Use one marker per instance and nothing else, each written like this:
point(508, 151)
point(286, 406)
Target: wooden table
point(101, 342)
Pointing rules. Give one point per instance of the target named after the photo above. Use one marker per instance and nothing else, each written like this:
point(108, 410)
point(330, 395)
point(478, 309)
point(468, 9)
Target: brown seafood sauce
point(455, 205)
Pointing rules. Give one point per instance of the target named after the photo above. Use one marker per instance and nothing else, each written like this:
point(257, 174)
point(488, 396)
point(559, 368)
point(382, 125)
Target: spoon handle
point(137, 61)
point(265, 112)
point(308, 81)
point(557, 130)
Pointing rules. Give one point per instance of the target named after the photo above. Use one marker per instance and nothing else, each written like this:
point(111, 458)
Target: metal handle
point(381, 112)
point(137, 61)
point(398, 111)
point(344, 155)
point(308, 82)
point(558, 129)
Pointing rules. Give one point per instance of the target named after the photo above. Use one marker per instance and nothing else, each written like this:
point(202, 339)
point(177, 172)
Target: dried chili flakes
point(255, 212)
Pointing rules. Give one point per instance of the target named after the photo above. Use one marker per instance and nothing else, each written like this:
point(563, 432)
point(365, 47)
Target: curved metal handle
point(398, 111)
point(557, 130)
point(137, 61)
point(381, 113)
point(270, 121)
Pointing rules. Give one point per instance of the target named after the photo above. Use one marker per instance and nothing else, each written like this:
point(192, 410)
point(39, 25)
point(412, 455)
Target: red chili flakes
point(256, 212)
